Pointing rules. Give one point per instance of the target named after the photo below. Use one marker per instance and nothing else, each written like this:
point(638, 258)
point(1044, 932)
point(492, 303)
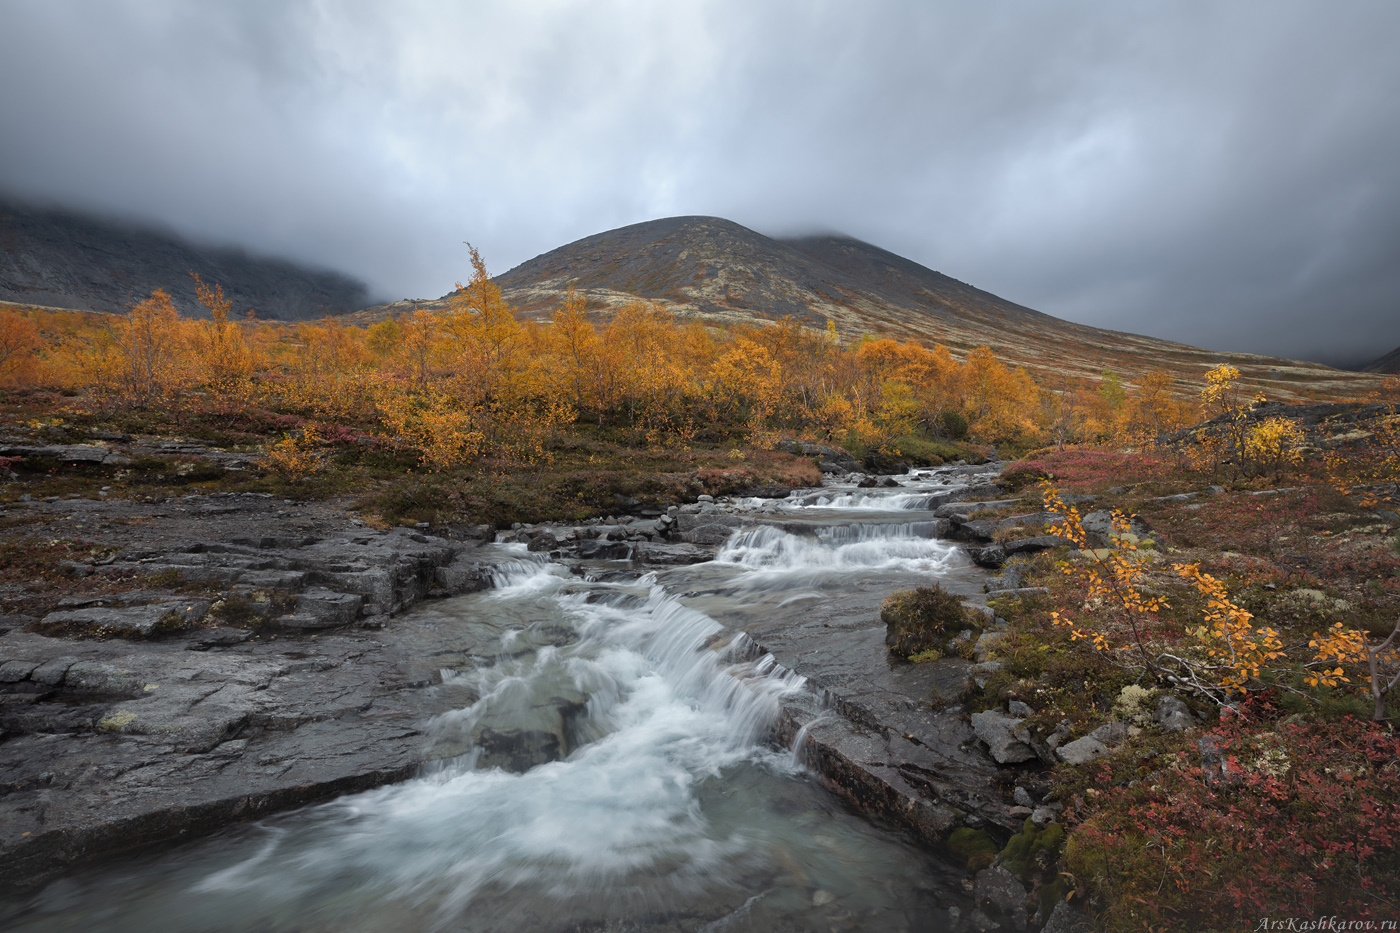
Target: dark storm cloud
point(1221, 174)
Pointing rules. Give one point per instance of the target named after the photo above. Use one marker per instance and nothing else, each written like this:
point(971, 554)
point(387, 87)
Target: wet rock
point(961, 508)
point(1172, 714)
point(222, 637)
point(1007, 739)
point(973, 531)
point(991, 557)
point(709, 534)
point(462, 576)
point(670, 554)
point(144, 621)
point(322, 608)
point(602, 550)
point(517, 750)
point(1081, 751)
point(998, 894)
point(691, 522)
point(542, 541)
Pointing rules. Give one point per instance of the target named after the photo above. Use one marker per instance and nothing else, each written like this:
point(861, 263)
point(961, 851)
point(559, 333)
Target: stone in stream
point(990, 557)
point(671, 554)
point(602, 550)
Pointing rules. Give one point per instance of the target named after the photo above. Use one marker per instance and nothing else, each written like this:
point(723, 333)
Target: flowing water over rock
point(605, 761)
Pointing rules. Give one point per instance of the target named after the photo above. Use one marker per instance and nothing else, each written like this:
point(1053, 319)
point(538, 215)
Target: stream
point(604, 763)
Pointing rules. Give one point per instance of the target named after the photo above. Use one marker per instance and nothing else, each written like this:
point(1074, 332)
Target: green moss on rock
point(921, 619)
point(1032, 849)
point(973, 846)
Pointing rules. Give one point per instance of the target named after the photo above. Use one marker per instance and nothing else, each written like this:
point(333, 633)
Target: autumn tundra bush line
point(478, 382)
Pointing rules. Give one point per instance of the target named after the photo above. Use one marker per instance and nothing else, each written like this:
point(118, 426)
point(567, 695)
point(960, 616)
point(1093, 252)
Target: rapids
point(637, 789)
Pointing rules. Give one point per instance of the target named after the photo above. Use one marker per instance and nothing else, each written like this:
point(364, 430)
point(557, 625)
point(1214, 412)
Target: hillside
point(720, 271)
point(1388, 364)
point(62, 259)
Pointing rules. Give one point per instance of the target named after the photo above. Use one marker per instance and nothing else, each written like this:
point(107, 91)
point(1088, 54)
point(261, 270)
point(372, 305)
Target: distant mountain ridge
point(64, 259)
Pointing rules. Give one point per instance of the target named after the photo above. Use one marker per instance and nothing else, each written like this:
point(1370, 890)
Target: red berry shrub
point(1290, 820)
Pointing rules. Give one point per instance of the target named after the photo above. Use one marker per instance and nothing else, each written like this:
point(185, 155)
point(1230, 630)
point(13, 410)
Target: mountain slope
point(717, 270)
point(63, 259)
point(1388, 364)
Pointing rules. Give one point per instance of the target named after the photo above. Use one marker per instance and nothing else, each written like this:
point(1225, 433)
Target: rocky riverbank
point(193, 681)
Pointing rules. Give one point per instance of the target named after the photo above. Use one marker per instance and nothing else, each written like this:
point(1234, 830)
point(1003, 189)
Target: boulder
point(1007, 739)
point(990, 557)
point(1172, 714)
point(691, 521)
point(542, 541)
point(1081, 751)
point(1110, 733)
point(1099, 528)
point(975, 531)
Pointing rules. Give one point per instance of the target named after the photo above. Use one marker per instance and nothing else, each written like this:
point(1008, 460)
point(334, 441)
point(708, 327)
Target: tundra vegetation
point(1250, 569)
point(1230, 621)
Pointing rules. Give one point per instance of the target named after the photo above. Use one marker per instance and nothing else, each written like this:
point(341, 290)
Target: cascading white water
point(770, 551)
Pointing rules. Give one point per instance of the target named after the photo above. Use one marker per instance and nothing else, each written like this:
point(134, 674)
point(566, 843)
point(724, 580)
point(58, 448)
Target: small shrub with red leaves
point(1257, 819)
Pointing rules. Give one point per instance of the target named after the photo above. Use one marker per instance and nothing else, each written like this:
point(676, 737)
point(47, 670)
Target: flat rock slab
point(118, 744)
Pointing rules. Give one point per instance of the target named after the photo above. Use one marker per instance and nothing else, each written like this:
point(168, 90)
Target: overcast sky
point(1225, 174)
